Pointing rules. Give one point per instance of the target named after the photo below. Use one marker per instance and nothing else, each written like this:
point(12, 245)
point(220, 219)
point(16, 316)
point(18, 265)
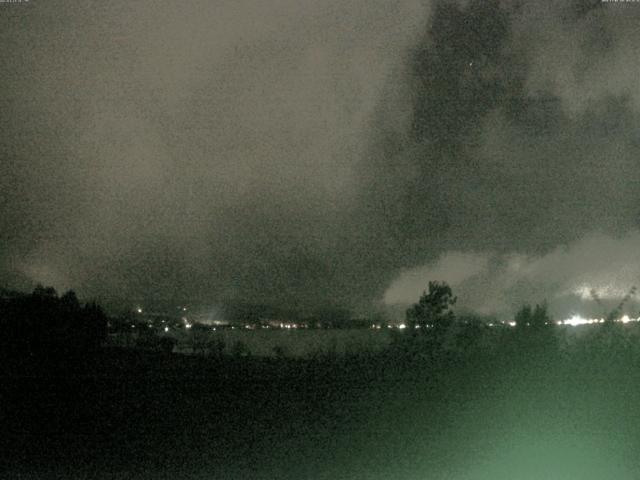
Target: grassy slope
point(514, 414)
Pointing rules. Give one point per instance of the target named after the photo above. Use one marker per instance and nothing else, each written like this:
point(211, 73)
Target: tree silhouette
point(94, 324)
point(535, 332)
point(43, 324)
point(536, 317)
point(433, 310)
point(523, 316)
point(616, 313)
point(43, 293)
point(69, 302)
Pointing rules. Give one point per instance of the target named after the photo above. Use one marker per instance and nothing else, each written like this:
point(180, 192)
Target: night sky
point(301, 154)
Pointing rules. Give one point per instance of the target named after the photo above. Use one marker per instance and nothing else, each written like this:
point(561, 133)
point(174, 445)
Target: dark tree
point(540, 317)
point(433, 310)
point(44, 293)
point(536, 317)
point(535, 333)
point(44, 325)
point(523, 316)
point(69, 302)
point(616, 313)
point(94, 325)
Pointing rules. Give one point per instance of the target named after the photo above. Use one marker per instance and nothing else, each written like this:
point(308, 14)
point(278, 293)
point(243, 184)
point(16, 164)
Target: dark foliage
point(44, 324)
point(433, 310)
point(535, 318)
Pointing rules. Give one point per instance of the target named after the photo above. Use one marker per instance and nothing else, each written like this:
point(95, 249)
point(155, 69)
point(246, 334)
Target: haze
point(304, 154)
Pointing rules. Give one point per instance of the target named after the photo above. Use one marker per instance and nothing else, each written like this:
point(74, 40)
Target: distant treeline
point(45, 324)
point(328, 317)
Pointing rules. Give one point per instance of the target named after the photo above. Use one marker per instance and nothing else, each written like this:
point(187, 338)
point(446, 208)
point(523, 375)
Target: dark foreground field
point(515, 413)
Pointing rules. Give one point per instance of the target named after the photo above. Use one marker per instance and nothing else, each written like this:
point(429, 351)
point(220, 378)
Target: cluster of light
point(139, 310)
point(574, 321)
point(400, 326)
point(166, 329)
point(187, 325)
point(577, 320)
point(288, 326)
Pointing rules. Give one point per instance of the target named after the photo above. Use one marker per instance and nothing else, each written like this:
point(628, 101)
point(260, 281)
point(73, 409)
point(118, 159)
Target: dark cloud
point(520, 145)
point(158, 151)
point(303, 153)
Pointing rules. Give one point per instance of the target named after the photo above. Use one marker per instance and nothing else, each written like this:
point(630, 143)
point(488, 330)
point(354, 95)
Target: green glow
point(553, 457)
